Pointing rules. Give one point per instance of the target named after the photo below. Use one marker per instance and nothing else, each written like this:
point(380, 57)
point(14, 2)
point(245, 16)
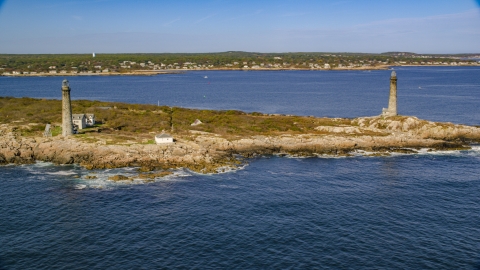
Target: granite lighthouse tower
point(392, 101)
point(67, 124)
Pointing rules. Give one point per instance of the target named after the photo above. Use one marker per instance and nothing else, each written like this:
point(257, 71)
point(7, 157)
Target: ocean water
point(417, 211)
point(448, 94)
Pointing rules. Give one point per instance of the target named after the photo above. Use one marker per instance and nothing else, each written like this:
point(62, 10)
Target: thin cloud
point(295, 14)
point(170, 22)
point(340, 3)
point(460, 32)
point(204, 18)
point(68, 3)
point(247, 15)
point(391, 27)
point(404, 21)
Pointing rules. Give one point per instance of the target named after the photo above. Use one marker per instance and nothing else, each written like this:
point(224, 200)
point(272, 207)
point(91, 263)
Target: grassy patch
point(137, 122)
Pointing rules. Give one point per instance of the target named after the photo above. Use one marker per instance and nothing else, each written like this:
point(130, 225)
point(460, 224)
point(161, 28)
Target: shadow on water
point(2, 265)
point(476, 266)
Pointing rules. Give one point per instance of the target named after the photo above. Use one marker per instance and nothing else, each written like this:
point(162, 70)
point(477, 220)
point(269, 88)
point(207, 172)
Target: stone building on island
point(67, 124)
point(72, 122)
point(392, 101)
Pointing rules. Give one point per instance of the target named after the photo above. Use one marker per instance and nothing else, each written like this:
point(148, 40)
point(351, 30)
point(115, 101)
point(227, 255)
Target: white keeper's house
point(163, 138)
point(81, 120)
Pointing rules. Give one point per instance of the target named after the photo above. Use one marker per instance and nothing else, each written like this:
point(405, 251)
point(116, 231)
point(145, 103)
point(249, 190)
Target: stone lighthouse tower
point(392, 101)
point(67, 124)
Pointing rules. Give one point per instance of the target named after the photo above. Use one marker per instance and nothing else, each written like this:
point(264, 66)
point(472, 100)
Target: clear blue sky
point(119, 26)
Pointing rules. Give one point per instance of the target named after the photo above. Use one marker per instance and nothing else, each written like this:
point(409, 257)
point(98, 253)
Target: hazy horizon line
point(326, 52)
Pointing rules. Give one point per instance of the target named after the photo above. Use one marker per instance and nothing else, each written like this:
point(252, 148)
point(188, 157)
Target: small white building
point(163, 138)
point(90, 119)
point(79, 120)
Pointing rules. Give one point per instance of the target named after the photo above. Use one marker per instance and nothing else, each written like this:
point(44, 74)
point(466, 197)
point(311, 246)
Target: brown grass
point(122, 122)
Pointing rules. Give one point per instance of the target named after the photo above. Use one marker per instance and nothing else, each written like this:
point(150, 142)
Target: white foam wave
point(474, 151)
point(42, 164)
point(429, 152)
point(66, 173)
point(80, 186)
point(229, 186)
point(103, 182)
point(183, 173)
point(230, 169)
point(476, 148)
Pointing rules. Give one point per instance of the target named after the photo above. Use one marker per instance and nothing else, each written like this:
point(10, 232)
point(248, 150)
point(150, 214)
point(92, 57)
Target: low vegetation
point(135, 123)
point(122, 123)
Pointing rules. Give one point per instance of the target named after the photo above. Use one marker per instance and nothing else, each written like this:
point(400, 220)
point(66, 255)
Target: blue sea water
point(416, 211)
point(435, 93)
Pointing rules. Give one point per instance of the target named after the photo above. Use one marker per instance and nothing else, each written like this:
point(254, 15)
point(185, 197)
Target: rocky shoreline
point(209, 153)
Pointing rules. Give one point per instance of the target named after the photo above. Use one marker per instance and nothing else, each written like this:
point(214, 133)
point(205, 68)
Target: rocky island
point(125, 132)
point(123, 135)
point(204, 141)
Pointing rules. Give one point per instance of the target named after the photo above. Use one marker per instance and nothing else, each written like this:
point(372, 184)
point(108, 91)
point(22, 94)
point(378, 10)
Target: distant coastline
point(179, 71)
point(163, 63)
point(135, 73)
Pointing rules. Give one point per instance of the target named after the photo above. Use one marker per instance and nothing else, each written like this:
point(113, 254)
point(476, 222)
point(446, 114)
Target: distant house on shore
point(163, 138)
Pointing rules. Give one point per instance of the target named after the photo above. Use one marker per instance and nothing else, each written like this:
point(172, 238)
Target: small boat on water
point(206, 77)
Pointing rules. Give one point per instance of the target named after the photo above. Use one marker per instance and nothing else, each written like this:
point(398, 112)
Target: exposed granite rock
point(153, 175)
point(209, 152)
point(119, 177)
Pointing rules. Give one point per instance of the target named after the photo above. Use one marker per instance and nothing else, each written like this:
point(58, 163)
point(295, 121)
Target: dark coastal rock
point(153, 175)
point(119, 177)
